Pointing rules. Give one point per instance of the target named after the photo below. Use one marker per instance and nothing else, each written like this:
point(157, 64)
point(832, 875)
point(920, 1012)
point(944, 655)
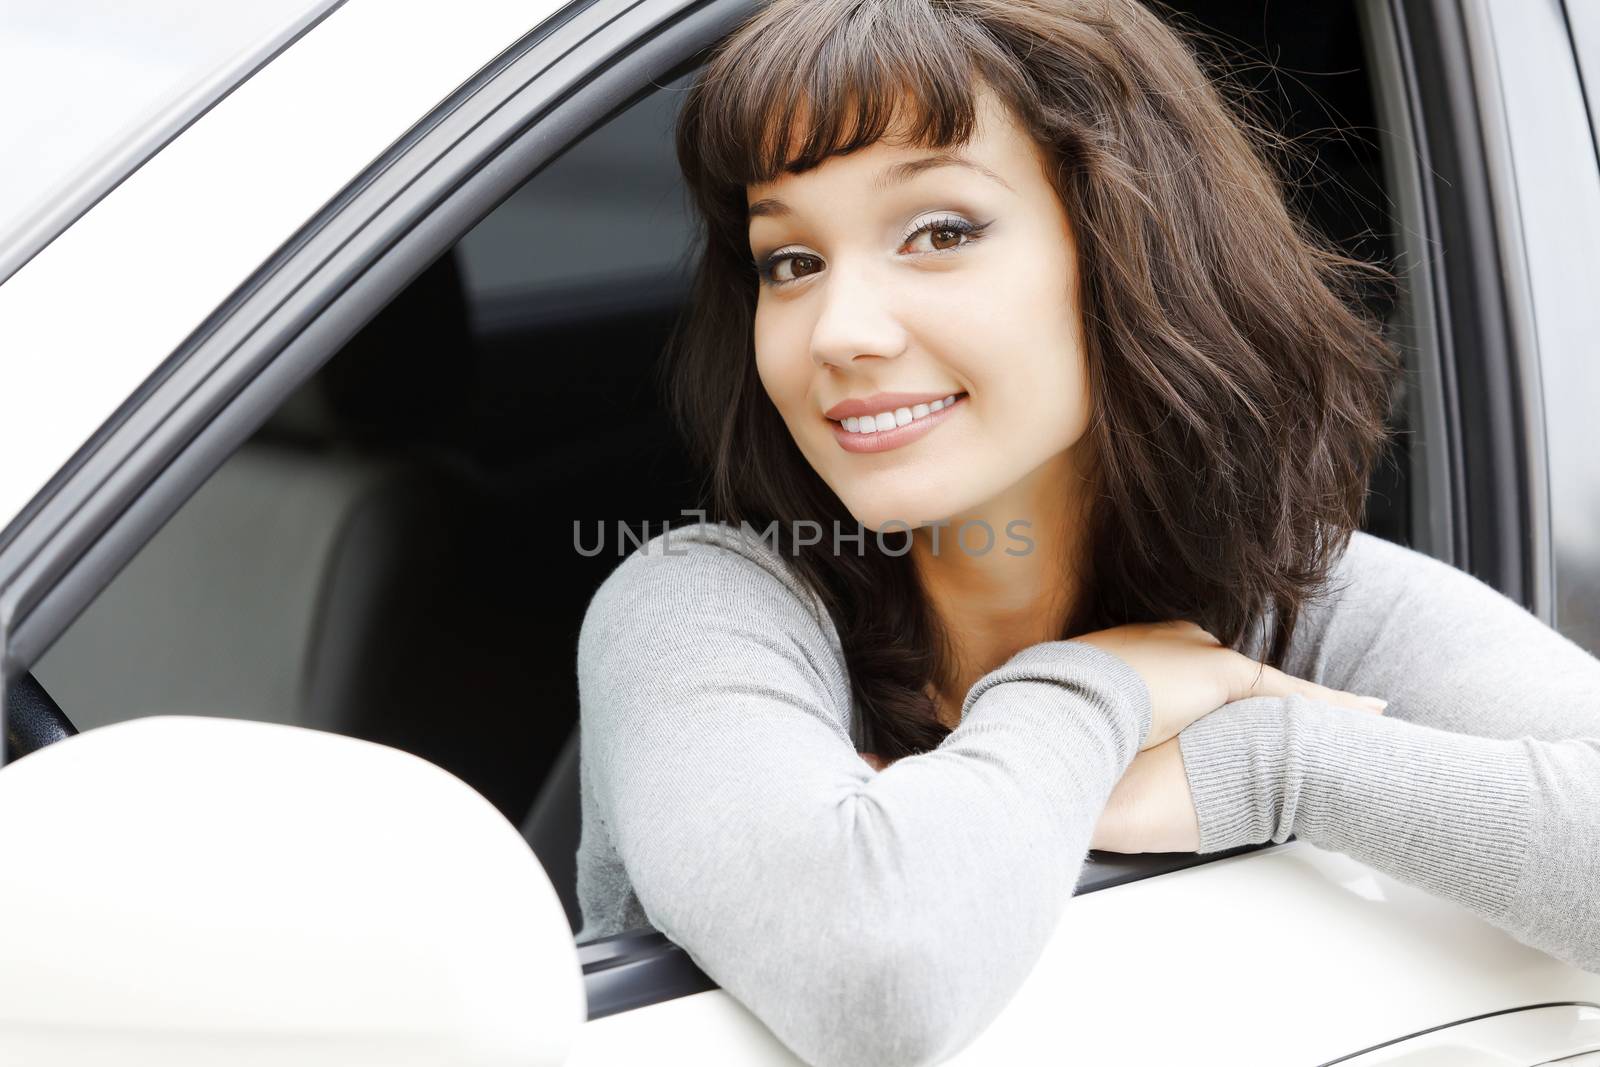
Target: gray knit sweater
point(886, 917)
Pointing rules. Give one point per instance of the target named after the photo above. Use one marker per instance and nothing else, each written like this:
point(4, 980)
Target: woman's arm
point(865, 917)
point(1480, 783)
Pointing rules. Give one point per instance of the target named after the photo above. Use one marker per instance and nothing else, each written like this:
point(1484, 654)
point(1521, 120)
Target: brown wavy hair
point(1240, 394)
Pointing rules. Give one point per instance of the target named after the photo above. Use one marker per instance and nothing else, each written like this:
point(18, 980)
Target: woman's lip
point(884, 440)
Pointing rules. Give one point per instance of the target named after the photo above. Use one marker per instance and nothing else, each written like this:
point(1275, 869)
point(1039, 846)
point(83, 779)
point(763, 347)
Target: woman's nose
point(854, 322)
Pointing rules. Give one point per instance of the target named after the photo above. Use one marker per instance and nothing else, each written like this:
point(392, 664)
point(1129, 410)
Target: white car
point(323, 323)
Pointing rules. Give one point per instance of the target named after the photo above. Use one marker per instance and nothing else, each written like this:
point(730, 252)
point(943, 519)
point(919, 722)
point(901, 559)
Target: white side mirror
point(188, 891)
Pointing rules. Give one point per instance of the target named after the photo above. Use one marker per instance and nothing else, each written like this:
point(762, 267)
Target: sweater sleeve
point(871, 918)
point(1480, 783)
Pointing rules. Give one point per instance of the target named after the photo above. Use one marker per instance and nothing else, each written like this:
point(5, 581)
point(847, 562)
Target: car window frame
point(1492, 435)
point(401, 176)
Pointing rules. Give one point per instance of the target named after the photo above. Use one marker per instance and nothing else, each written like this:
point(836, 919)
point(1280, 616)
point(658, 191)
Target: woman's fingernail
point(1376, 704)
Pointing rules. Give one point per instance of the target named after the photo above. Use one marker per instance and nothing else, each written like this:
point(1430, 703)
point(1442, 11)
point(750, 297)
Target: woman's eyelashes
point(947, 234)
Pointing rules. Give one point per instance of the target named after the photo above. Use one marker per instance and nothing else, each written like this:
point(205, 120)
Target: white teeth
point(888, 420)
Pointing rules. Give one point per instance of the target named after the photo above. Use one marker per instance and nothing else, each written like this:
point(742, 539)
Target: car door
point(223, 329)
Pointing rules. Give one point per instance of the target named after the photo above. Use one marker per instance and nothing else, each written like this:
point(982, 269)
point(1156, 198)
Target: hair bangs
point(832, 76)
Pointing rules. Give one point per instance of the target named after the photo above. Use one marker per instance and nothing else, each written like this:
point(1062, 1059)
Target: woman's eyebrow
point(893, 174)
point(898, 173)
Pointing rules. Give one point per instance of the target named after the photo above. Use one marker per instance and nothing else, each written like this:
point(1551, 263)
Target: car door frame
point(1496, 510)
point(571, 74)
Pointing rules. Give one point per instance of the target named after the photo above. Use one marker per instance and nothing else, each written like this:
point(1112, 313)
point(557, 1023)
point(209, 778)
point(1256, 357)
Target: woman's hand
point(1190, 674)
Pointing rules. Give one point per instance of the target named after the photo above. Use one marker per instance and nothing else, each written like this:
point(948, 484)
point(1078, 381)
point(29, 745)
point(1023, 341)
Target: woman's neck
point(994, 604)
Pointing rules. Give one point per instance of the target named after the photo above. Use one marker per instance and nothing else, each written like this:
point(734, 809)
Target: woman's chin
point(894, 522)
point(908, 500)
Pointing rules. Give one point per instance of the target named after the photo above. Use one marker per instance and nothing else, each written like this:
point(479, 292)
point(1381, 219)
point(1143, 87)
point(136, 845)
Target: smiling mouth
point(906, 425)
point(889, 420)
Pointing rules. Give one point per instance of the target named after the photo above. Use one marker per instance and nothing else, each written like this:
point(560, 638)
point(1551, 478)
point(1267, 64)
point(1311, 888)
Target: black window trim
point(1495, 434)
point(1430, 484)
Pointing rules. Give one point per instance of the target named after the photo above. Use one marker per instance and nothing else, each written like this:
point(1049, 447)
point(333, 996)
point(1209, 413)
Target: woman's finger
point(1353, 701)
point(1272, 682)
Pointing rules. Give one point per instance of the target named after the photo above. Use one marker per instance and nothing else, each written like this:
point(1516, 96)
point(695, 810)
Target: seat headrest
point(408, 375)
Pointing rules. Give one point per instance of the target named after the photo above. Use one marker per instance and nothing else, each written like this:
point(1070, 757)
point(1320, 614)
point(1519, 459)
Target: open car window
point(392, 554)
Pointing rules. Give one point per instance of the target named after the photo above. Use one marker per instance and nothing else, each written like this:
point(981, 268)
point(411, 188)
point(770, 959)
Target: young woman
point(1012, 273)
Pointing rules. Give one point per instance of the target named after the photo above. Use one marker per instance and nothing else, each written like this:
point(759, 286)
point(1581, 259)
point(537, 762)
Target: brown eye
point(798, 266)
point(937, 236)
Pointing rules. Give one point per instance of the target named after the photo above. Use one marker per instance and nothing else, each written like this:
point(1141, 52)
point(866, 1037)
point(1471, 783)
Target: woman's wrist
point(1444, 811)
point(1237, 762)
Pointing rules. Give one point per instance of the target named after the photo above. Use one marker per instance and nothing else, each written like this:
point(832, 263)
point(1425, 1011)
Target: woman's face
point(893, 280)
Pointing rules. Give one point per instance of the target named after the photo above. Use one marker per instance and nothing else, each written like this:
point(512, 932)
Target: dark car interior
point(391, 556)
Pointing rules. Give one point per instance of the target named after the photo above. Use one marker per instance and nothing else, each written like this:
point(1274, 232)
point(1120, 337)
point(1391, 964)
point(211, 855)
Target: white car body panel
point(94, 314)
point(1287, 957)
point(107, 84)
